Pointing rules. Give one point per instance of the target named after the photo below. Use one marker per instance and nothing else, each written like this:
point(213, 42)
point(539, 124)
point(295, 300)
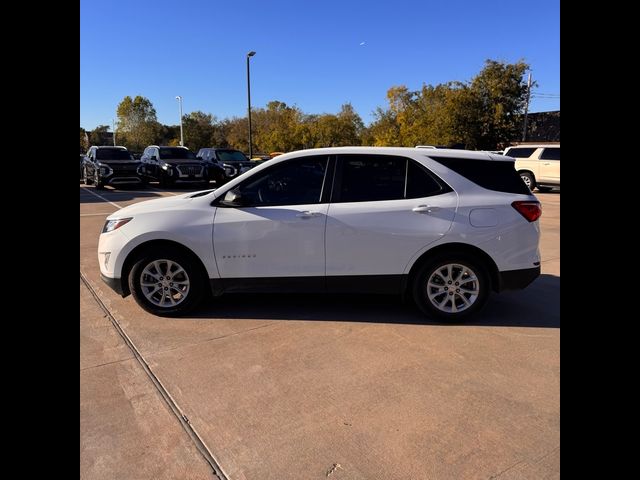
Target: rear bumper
point(114, 283)
point(517, 279)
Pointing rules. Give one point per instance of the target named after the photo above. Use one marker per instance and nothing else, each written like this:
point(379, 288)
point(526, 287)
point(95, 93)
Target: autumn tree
point(84, 143)
point(137, 122)
point(97, 135)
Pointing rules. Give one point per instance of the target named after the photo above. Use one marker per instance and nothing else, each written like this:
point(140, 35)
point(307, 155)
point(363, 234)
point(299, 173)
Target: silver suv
point(538, 165)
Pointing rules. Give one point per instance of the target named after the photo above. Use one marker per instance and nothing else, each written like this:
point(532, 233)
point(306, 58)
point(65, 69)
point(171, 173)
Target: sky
point(315, 55)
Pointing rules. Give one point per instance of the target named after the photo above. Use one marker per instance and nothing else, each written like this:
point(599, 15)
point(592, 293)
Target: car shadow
point(536, 306)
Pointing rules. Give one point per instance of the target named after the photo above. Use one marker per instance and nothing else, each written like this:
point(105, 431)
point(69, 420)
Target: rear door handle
point(307, 214)
point(425, 209)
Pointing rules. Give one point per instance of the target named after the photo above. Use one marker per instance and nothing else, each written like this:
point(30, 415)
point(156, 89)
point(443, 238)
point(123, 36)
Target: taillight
point(529, 210)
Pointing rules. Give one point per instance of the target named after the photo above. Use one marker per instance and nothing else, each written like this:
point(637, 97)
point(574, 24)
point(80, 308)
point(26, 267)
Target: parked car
point(538, 165)
point(234, 162)
point(443, 226)
point(81, 166)
point(171, 165)
point(110, 166)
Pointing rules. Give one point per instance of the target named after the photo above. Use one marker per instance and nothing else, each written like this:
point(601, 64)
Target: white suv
point(538, 165)
point(445, 226)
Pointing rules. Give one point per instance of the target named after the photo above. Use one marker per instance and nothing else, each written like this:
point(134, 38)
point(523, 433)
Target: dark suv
point(233, 161)
point(169, 165)
point(111, 166)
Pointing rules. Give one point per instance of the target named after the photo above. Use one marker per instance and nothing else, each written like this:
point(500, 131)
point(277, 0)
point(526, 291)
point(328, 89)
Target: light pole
point(249, 55)
point(526, 110)
point(113, 122)
point(179, 98)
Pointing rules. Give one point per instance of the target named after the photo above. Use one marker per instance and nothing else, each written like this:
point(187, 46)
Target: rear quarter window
point(550, 154)
point(520, 152)
point(497, 175)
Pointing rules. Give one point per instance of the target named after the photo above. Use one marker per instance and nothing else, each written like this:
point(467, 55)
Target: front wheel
point(166, 283)
point(99, 182)
point(87, 180)
point(451, 287)
point(528, 180)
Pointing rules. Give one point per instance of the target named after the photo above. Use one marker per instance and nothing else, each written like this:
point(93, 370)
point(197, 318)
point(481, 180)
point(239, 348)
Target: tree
point(137, 123)
point(499, 93)
point(480, 114)
point(198, 129)
point(97, 135)
point(84, 140)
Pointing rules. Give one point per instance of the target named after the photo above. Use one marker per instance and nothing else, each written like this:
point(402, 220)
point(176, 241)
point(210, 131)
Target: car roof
point(109, 146)
point(402, 151)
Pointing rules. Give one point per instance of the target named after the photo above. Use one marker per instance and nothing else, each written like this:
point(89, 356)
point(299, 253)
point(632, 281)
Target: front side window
point(370, 178)
point(226, 156)
point(295, 182)
point(550, 154)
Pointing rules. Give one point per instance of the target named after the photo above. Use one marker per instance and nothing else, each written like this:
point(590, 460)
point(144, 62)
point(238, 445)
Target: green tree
point(198, 129)
point(137, 122)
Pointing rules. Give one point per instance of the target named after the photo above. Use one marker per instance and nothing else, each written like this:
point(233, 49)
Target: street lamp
point(249, 55)
point(179, 98)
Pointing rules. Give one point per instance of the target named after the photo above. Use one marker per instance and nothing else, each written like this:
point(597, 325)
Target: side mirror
point(153, 157)
point(233, 198)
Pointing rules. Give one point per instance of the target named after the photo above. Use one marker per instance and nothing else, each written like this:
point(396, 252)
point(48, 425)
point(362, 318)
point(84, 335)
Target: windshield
point(231, 156)
point(175, 153)
point(113, 154)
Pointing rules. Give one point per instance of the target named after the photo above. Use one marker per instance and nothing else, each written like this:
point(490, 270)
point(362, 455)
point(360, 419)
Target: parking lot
point(317, 386)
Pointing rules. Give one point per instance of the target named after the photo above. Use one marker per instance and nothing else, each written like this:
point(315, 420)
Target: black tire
point(87, 180)
point(544, 189)
point(194, 276)
point(99, 182)
point(528, 179)
point(450, 299)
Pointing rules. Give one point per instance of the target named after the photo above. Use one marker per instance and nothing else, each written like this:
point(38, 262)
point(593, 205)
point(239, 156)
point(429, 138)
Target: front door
point(278, 232)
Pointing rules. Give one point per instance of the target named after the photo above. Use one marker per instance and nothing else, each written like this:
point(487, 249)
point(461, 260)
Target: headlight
point(229, 170)
point(167, 168)
point(112, 225)
point(105, 170)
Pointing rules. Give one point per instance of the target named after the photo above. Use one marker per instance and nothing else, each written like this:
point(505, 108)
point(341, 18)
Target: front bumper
point(517, 279)
point(114, 283)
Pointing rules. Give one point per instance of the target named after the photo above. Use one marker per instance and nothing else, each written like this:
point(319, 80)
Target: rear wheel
point(528, 180)
point(166, 283)
point(451, 287)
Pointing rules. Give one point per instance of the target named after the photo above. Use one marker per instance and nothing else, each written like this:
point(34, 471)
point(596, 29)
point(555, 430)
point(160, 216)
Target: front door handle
point(425, 209)
point(547, 163)
point(307, 214)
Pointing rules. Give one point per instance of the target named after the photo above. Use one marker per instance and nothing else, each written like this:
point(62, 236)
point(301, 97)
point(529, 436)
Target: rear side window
point(490, 174)
point(550, 154)
point(370, 178)
point(520, 152)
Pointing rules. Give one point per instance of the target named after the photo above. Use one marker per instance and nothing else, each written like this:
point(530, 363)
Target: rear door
point(383, 210)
